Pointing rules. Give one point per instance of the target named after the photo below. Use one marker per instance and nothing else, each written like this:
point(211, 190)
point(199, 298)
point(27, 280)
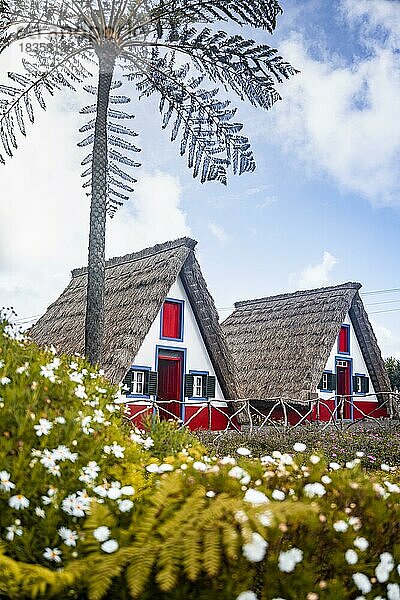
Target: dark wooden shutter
point(204, 386)
point(127, 383)
point(210, 386)
point(365, 385)
point(188, 386)
point(355, 378)
point(331, 382)
point(152, 383)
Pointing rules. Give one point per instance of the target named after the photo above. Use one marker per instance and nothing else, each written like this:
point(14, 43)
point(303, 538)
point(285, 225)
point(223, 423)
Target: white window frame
point(197, 386)
point(138, 379)
point(324, 381)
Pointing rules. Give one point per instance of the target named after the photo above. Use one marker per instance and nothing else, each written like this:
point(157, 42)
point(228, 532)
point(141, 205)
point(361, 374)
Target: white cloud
point(219, 232)
point(388, 341)
point(153, 215)
point(342, 118)
point(314, 276)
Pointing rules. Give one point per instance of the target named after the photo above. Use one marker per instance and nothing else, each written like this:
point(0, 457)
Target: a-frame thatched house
point(309, 344)
point(162, 335)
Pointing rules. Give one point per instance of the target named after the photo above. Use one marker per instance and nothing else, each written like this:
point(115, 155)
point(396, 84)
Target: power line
point(382, 302)
point(376, 312)
point(380, 291)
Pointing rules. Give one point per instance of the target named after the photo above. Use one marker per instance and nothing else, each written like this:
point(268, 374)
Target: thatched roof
point(135, 288)
point(281, 344)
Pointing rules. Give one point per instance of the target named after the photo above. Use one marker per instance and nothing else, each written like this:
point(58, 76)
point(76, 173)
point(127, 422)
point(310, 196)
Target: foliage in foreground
point(194, 526)
point(393, 369)
point(373, 444)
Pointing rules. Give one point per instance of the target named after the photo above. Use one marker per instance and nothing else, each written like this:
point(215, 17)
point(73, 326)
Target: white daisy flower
point(340, 526)
point(60, 420)
point(109, 546)
point(199, 466)
point(12, 531)
point(100, 490)
point(351, 556)
point(114, 493)
point(48, 372)
point(76, 504)
point(39, 512)
point(241, 474)
point(288, 560)
point(125, 505)
point(68, 536)
point(115, 449)
point(165, 467)
point(102, 533)
point(362, 582)
point(43, 427)
point(255, 550)
point(6, 485)
point(152, 468)
point(5, 380)
point(76, 377)
point(127, 490)
point(80, 392)
point(265, 518)
point(393, 591)
point(243, 451)
point(255, 497)
point(314, 459)
point(326, 479)
point(278, 495)
point(299, 447)
point(54, 470)
point(314, 489)
point(19, 502)
point(334, 466)
point(148, 443)
point(52, 554)
point(361, 543)
point(248, 595)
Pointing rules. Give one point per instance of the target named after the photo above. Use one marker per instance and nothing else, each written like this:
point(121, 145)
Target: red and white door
point(343, 390)
point(170, 378)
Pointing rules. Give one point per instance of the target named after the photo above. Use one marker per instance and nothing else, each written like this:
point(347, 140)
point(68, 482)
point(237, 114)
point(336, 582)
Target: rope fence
point(247, 415)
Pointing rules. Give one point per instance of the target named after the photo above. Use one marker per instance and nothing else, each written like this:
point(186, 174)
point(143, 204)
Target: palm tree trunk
point(94, 323)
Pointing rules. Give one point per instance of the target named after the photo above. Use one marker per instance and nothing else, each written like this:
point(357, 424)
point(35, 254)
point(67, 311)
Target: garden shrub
point(195, 527)
point(377, 443)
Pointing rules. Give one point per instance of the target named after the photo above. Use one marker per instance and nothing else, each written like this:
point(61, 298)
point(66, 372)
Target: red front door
point(343, 389)
point(169, 386)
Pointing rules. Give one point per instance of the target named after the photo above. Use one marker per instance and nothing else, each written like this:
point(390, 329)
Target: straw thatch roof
point(135, 288)
point(281, 344)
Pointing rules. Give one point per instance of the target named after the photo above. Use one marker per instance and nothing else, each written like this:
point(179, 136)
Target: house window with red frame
point(344, 339)
point(172, 322)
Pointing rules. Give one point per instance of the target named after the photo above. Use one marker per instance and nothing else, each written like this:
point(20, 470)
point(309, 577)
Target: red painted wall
point(194, 417)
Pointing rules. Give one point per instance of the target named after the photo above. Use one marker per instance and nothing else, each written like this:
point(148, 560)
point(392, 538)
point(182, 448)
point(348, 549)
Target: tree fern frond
point(209, 139)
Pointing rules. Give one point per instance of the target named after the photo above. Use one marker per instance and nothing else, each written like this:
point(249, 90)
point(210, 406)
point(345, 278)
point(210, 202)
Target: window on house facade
point(360, 384)
point(199, 385)
point(172, 320)
point(328, 382)
point(344, 340)
point(137, 382)
point(140, 381)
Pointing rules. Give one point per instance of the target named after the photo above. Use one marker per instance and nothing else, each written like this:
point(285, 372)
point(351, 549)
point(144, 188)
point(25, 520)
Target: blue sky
point(323, 206)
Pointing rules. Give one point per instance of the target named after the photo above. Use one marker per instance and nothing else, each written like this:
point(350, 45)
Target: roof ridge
point(348, 285)
point(140, 254)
